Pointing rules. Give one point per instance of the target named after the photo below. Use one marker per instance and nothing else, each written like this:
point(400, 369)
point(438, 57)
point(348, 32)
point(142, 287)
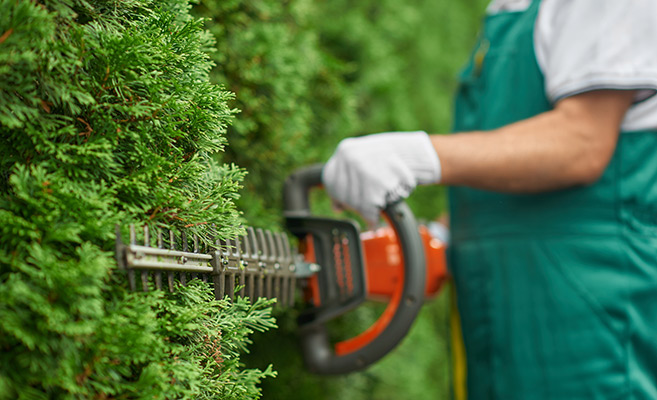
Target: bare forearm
point(529, 156)
point(565, 147)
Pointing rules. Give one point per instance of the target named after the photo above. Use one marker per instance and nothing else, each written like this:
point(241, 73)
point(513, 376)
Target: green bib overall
point(557, 292)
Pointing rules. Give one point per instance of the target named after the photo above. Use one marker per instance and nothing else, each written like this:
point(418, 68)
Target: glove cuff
point(421, 157)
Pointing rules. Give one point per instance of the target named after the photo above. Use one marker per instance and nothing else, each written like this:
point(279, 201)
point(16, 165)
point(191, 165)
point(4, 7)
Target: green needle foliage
point(107, 117)
point(308, 73)
point(294, 104)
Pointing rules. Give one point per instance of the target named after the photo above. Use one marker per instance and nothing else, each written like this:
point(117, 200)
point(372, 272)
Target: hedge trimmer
point(335, 269)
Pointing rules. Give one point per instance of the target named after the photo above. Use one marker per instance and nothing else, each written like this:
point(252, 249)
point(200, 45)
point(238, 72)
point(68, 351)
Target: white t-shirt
point(584, 45)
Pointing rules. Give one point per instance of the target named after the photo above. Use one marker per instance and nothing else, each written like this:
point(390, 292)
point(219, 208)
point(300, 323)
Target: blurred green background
point(306, 74)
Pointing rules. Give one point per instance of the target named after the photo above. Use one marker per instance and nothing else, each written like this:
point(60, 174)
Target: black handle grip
point(297, 187)
point(318, 352)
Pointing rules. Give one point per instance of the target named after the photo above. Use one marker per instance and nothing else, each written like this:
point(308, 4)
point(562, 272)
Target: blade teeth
point(195, 244)
point(183, 279)
point(217, 274)
point(235, 274)
point(252, 268)
point(195, 241)
point(172, 246)
point(251, 286)
point(223, 248)
point(252, 256)
point(172, 240)
point(131, 272)
point(231, 285)
point(158, 280)
point(262, 251)
point(278, 278)
point(222, 286)
point(270, 245)
point(158, 274)
point(243, 247)
point(145, 274)
point(270, 270)
point(185, 248)
point(288, 292)
point(259, 262)
point(243, 244)
point(253, 243)
point(144, 281)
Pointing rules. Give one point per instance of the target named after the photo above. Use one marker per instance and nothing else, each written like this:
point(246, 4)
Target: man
point(553, 198)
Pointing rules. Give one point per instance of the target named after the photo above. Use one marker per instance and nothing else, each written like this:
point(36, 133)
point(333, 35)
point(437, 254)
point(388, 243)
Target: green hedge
point(294, 104)
point(107, 116)
point(308, 73)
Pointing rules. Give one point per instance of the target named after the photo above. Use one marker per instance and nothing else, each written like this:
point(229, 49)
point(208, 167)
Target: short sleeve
point(584, 45)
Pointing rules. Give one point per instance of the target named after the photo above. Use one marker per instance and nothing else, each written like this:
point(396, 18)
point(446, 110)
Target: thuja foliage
point(307, 73)
point(294, 104)
point(107, 117)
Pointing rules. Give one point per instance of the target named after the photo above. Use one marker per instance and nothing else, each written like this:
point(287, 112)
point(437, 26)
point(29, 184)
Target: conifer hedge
point(294, 103)
point(308, 73)
point(107, 117)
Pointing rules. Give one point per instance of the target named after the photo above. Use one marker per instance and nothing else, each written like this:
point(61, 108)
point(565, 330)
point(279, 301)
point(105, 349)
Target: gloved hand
point(369, 172)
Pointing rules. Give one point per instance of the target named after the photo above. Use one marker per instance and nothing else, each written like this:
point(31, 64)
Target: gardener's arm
point(570, 145)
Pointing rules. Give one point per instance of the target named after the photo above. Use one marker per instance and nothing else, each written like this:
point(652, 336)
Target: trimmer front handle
point(341, 283)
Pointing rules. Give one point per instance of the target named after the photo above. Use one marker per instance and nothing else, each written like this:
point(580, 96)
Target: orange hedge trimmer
point(335, 269)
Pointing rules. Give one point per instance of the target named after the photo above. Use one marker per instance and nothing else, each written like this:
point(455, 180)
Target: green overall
point(557, 292)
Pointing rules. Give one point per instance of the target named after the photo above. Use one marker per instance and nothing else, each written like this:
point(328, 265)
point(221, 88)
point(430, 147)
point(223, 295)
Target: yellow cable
point(459, 370)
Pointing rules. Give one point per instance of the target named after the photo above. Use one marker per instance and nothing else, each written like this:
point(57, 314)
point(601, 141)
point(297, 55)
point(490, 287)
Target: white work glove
point(369, 172)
